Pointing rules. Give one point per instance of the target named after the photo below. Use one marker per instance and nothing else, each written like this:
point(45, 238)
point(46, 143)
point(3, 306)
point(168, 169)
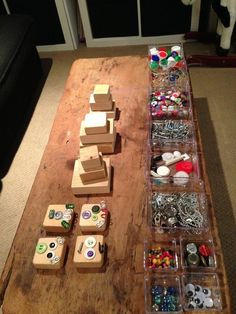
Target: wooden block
point(90, 157)
point(101, 92)
point(111, 113)
point(95, 123)
point(90, 176)
point(104, 148)
point(59, 218)
point(105, 104)
point(93, 217)
point(50, 253)
point(89, 251)
point(98, 138)
point(103, 186)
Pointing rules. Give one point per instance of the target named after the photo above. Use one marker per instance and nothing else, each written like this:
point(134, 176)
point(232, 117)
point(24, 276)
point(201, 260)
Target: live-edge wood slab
point(118, 288)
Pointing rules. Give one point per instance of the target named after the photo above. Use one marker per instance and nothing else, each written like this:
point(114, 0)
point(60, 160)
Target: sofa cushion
point(13, 30)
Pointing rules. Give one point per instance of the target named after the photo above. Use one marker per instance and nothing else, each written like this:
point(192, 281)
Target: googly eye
point(190, 290)
point(207, 292)
point(53, 245)
point(50, 255)
point(199, 298)
point(192, 305)
point(198, 288)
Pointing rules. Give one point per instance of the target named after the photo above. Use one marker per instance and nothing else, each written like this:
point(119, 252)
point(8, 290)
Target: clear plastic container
point(171, 132)
point(167, 65)
point(170, 102)
point(159, 289)
point(179, 211)
point(201, 292)
point(160, 255)
point(165, 166)
point(197, 254)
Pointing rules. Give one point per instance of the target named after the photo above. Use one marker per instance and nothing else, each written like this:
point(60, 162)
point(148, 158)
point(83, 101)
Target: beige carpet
point(215, 93)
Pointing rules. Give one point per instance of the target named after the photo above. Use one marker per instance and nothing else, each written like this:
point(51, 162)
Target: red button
point(186, 166)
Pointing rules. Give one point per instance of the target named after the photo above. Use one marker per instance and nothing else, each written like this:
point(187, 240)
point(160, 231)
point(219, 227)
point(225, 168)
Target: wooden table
point(118, 288)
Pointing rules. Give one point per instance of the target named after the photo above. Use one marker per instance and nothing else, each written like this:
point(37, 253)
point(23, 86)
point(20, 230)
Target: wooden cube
point(90, 176)
point(50, 253)
point(89, 251)
point(102, 186)
point(90, 157)
point(59, 218)
point(95, 123)
point(93, 218)
point(100, 105)
point(101, 92)
point(98, 138)
point(104, 148)
point(111, 113)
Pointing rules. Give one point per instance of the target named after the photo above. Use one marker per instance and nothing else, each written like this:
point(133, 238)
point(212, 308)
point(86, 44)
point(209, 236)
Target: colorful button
point(86, 214)
point(41, 248)
point(89, 253)
point(96, 209)
point(51, 213)
point(90, 242)
point(186, 166)
point(65, 224)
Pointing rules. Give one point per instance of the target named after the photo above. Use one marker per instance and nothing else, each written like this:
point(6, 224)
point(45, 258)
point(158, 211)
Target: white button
point(167, 156)
point(181, 177)
point(176, 49)
point(90, 242)
point(176, 153)
point(163, 171)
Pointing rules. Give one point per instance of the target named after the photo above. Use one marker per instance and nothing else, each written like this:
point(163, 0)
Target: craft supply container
point(160, 255)
point(207, 281)
point(206, 260)
point(162, 283)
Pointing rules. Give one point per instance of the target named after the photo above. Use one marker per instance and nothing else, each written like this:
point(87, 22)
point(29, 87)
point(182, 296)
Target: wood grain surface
point(119, 286)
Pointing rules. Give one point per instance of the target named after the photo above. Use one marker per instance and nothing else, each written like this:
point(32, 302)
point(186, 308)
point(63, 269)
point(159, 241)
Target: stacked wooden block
point(92, 172)
point(98, 127)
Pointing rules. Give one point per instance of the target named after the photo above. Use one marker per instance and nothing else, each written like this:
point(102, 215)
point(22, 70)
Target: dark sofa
point(20, 74)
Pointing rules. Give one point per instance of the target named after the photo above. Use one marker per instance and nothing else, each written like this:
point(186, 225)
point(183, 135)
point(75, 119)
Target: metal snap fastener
point(53, 245)
point(193, 259)
point(89, 253)
point(86, 214)
point(41, 248)
point(60, 240)
point(55, 260)
point(191, 248)
point(58, 215)
point(96, 209)
point(67, 217)
point(90, 242)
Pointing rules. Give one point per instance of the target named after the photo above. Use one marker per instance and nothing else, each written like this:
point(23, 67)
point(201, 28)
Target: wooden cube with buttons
point(59, 218)
point(89, 251)
point(93, 217)
point(50, 253)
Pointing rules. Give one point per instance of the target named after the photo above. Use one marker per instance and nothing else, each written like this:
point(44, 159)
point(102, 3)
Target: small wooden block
point(92, 175)
point(101, 92)
point(90, 157)
point(110, 114)
point(50, 253)
point(103, 186)
point(104, 148)
point(98, 138)
point(59, 218)
point(101, 105)
point(89, 251)
point(91, 219)
point(95, 123)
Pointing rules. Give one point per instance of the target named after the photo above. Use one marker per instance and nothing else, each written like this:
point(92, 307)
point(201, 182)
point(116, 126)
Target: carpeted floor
point(215, 97)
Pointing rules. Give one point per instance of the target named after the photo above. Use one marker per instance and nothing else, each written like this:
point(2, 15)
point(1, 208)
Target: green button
point(70, 206)
point(153, 65)
point(94, 217)
point(41, 248)
point(96, 209)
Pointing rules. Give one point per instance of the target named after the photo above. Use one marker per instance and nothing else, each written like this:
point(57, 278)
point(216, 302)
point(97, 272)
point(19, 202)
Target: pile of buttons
point(171, 103)
point(199, 297)
point(161, 257)
point(198, 255)
point(64, 217)
point(165, 298)
point(165, 58)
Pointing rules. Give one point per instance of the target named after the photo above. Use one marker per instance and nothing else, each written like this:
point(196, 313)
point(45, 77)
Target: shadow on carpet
point(220, 196)
point(8, 158)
